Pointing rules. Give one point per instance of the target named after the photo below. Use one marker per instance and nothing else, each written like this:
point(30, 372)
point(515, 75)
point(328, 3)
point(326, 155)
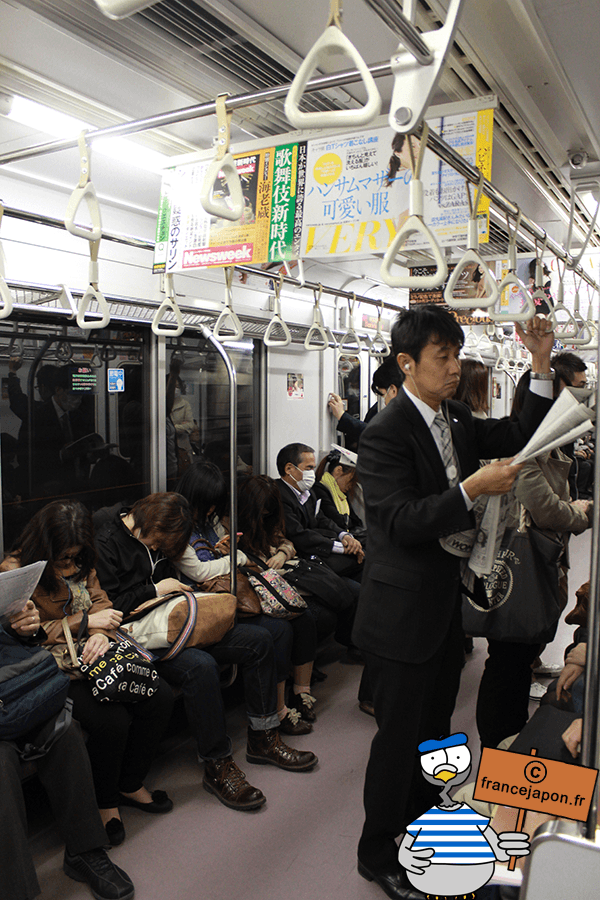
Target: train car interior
point(237, 197)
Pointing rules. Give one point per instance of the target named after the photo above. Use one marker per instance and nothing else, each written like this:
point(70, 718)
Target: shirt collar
point(302, 497)
point(426, 411)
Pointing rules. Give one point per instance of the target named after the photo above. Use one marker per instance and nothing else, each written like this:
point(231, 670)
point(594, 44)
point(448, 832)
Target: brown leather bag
point(248, 602)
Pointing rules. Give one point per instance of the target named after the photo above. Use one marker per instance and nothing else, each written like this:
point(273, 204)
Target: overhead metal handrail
point(472, 257)
point(391, 15)
point(277, 321)
point(169, 304)
point(588, 180)
point(415, 82)
point(415, 225)
point(333, 42)
point(225, 163)
point(317, 329)
point(5, 294)
point(228, 315)
point(513, 284)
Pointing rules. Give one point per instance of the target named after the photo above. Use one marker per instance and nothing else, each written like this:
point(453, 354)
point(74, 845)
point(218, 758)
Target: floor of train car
point(302, 844)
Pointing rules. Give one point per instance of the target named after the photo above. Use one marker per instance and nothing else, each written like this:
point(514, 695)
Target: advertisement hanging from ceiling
point(357, 187)
point(269, 229)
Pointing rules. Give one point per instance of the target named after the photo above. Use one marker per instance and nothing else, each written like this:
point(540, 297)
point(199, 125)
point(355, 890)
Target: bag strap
point(255, 559)
point(62, 721)
point(201, 542)
point(187, 629)
point(70, 642)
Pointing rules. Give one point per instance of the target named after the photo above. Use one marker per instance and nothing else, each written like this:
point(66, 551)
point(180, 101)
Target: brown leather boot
point(267, 748)
point(227, 782)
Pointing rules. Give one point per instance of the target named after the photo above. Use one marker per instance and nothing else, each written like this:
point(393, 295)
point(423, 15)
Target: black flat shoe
point(115, 832)
point(394, 883)
point(161, 803)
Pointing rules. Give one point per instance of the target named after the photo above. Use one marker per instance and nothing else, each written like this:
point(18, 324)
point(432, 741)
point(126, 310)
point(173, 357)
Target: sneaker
point(304, 703)
point(224, 779)
point(293, 723)
point(537, 690)
point(107, 881)
point(547, 671)
point(267, 748)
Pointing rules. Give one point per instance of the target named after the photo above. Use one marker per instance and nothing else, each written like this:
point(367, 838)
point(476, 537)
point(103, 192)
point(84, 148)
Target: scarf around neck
point(339, 497)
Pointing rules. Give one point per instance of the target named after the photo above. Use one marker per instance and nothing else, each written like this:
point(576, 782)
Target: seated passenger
point(205, 489)
point(122, 737)
point(306, 525)
point(336, 480)
point(64, 772)
point(139, 550)
point(260, 520)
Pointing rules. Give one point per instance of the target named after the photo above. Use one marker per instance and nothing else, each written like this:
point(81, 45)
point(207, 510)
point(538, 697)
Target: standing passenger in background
point(571, 372)
point(387, 381)
point(473, 387)
point(419, 468)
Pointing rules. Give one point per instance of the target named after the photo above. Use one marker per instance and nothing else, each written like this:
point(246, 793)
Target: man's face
point(307, 462)
point(435, 377)
point(579, 380)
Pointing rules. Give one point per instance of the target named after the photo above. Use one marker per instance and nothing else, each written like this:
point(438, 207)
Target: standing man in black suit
point(420, 475)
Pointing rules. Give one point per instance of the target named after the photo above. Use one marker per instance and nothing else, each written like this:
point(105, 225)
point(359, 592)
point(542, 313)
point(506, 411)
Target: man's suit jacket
point(311, 533)
point(410, 584)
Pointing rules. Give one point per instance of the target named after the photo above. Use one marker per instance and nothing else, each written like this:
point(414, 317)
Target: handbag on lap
point(188, 619)
point(248, 603)
point(277, 597)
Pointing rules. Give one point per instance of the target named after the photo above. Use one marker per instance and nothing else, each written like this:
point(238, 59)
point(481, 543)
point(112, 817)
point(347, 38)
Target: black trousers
point(122, 738)
point(66, 776)
point(413, 702)
point(503, 698)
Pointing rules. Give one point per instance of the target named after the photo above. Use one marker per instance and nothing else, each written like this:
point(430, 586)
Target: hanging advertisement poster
point(269, 229)
point(355, 202)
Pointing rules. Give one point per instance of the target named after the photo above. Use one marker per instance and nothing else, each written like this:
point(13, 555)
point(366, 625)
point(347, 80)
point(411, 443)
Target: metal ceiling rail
point(391, 15)
point(240, 101)
point(39, 219)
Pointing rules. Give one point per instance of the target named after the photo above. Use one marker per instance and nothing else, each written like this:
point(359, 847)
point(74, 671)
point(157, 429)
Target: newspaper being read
point(16, 587)
point(567, 420)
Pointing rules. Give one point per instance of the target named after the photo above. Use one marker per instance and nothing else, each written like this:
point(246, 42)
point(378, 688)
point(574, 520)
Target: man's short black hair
point(291, 453)
point(566, 364)
point(414, 328)
point(387, 374)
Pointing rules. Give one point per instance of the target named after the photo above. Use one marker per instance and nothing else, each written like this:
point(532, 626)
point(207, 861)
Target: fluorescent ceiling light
point(60, 125)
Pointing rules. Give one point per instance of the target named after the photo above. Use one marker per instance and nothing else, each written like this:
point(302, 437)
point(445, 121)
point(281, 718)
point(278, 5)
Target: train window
point(200, 405)
point(75, 420)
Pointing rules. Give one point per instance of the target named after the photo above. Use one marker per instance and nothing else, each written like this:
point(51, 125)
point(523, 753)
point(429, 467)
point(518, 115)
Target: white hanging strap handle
point(566, 329)
point(583, 335)
point(317, 330)
point(277, 321)
point(169, 305)
point(84, 191)
point(223, 163)
point(65, 298)
point(415, 225)
point(379, 346)
point(512, 283)
point(415, 83)
point(472, 258)
point(538, 292)
point(5, 294)
point(350, 341)
point(228, 315)
point(332, 43)
point(93, 293)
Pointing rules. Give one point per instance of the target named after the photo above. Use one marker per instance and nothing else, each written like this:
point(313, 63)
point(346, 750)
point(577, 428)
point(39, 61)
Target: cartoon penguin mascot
point(451, 850)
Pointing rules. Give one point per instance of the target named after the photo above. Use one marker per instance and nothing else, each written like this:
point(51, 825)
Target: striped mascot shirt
point(455, 834)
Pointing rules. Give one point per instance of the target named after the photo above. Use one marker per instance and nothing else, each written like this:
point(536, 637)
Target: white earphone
point(407, 366)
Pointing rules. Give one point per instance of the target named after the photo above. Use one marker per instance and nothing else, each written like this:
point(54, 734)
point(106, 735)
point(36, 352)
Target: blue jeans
point(196, 672)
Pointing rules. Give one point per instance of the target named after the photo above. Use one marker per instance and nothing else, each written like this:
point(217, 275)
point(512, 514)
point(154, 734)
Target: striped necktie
point(444, 443)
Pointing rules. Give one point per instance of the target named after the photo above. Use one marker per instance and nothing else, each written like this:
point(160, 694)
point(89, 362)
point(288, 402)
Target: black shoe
point(115, 832)
point(107, 881)
point(393, 883)
point(161, 803)
point(293, 723)
point(304, 703)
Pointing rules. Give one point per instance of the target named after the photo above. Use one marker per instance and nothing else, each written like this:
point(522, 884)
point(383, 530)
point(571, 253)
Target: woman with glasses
point(122, 737)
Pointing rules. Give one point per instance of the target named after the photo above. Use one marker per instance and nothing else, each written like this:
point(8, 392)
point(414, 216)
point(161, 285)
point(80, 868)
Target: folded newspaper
point(16, 587)
point(567, 420)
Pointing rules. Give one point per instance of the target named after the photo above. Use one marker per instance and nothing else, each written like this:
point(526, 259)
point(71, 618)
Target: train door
point(74, 417)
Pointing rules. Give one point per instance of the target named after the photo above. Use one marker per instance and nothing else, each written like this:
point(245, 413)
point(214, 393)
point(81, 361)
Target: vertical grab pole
point(207, 334)
point(591, 709)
